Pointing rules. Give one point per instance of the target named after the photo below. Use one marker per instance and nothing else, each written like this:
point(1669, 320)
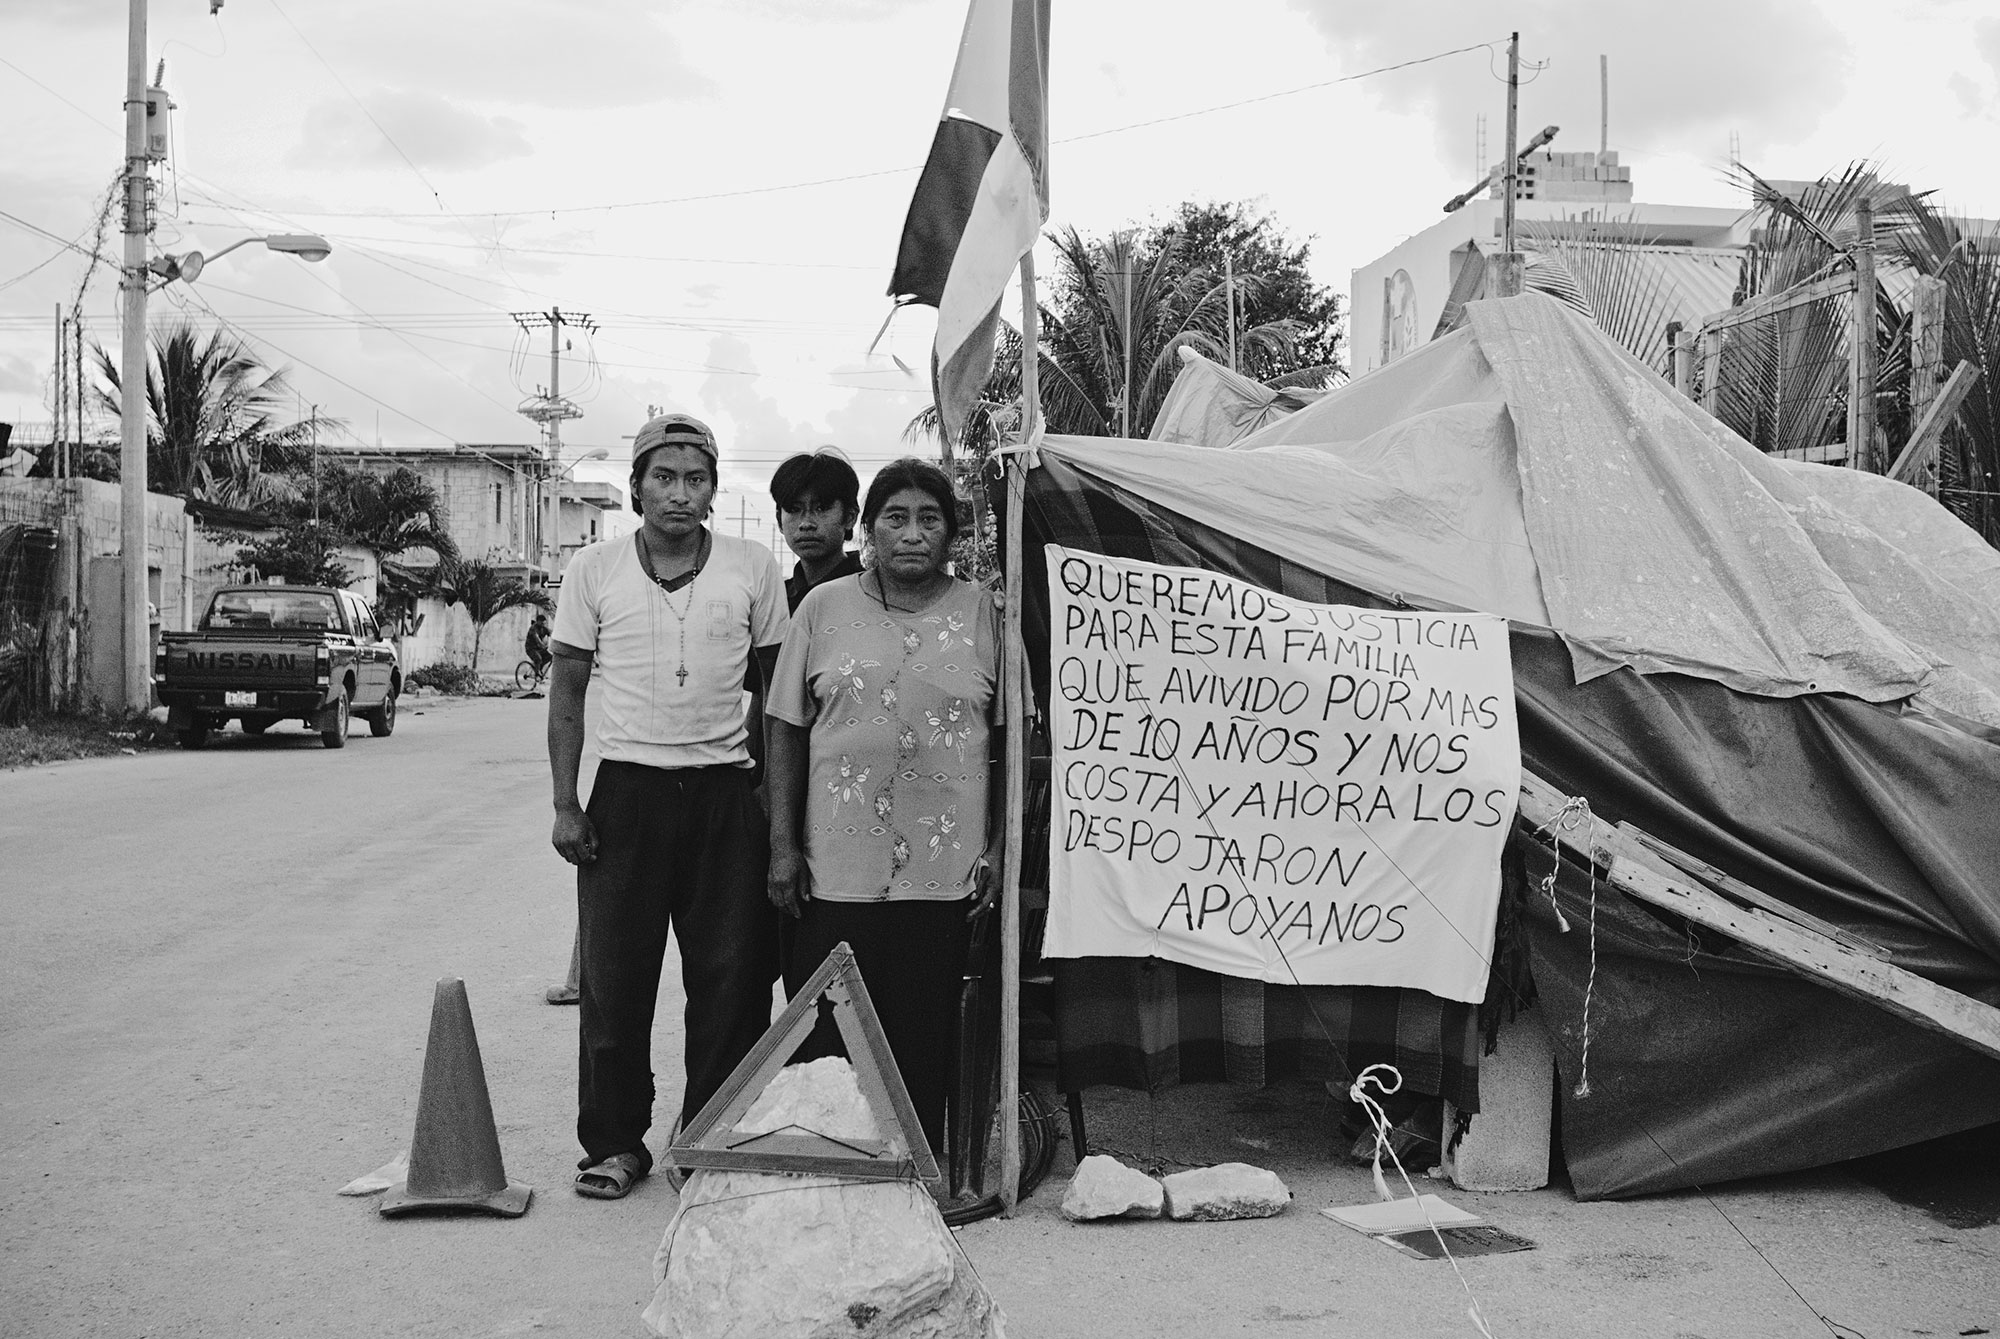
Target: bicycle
point(527, 678)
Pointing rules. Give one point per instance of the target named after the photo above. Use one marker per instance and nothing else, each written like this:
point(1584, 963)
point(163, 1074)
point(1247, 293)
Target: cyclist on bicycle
point(536, 644)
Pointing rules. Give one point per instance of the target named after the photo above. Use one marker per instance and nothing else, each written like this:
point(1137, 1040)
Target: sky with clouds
point(720, 186)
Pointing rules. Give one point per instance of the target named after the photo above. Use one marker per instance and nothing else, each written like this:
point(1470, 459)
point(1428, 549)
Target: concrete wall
point(1397, 298)
point(186, 563)
point(445, 637)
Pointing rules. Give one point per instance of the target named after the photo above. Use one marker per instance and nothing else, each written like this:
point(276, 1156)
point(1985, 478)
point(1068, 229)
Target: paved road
point(216, 972)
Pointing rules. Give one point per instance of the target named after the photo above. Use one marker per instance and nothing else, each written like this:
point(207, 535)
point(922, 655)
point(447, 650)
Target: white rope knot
point(1357, 1093)
point(1575, 811)
point(1379, 1118)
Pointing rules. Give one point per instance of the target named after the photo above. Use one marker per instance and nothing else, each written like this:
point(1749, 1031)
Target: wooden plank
point(1737, 890)
point(1629, 867)
point(744, 1160)
point(1771, 304)
point(711, 1139)
point(1923, 443)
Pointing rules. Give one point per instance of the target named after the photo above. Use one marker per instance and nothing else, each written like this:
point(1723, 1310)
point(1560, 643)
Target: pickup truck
point(264, 654)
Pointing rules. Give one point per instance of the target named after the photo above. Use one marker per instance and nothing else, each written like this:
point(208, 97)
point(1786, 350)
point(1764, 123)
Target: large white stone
point(755, 1256)
point(1227, 1190)
point(1506, 1147)
point(1104, 1187)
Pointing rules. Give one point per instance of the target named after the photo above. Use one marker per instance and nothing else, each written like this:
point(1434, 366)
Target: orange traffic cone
point(455, 1156)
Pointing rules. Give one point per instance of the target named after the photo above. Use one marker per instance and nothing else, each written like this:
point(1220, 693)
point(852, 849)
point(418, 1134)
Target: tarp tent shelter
point(1711, 644)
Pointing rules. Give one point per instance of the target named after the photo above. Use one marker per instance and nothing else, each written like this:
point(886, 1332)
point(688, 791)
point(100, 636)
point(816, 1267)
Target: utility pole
point(132, 374)
point(62, 392)
point(1504, 270)
point(550, 410)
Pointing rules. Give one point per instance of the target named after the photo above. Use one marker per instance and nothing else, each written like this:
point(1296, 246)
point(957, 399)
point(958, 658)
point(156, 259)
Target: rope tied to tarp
point(1575, 813)
point(1357, 1093)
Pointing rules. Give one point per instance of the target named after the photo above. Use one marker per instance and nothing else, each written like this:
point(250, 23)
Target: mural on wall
point(1399, 316)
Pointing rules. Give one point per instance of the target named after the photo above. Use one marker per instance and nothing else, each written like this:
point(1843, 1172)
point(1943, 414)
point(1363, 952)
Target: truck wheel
point(194, 736)
point(382, 723)
point(335, 735)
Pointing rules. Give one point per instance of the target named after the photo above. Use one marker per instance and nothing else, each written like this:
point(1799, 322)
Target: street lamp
point(552, 506)
point(187, 266)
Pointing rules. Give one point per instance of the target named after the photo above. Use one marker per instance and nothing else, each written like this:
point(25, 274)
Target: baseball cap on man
point(671, 430)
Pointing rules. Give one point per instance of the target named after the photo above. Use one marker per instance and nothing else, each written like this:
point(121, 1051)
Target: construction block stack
point(1593, 177)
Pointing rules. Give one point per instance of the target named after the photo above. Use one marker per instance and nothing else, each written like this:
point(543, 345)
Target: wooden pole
point(1229, 297)
point(1015, 679)
point(1711, 369)
point(1861, 355)
point(1684, 364)
point(1603, 107)
point(1926, 357)
point(1125, 337)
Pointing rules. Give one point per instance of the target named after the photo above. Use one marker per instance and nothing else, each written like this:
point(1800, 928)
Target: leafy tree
point(1279, 288)
point(486, 595)
point(215, 429)
point(304, 553)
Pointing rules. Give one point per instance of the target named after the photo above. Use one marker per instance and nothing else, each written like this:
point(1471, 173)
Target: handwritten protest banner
point(1272, 789)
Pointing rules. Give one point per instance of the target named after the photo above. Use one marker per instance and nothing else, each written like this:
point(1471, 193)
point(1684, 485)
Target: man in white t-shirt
point(673, 616)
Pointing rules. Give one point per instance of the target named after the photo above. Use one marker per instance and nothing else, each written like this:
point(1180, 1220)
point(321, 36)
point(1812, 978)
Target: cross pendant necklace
point(666, 594)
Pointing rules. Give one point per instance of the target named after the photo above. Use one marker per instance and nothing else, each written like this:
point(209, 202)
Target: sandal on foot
point(611, 1179)
point(561, 995)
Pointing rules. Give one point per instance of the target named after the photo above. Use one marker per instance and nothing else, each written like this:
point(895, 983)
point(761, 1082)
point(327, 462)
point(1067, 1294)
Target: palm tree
point(1966, 259)
point(1119, 312)
point(388, 513)
point(487, 595)
point(1616, 283)
point(214, 429)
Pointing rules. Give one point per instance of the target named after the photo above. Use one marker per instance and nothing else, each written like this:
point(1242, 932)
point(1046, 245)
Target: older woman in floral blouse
point(883, 780)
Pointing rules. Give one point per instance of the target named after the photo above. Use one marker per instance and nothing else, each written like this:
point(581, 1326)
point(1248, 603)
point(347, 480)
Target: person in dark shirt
point(537, 642)
point(818, 497)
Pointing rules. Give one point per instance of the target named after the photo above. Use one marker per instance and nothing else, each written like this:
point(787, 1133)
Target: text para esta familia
point(1275, 789)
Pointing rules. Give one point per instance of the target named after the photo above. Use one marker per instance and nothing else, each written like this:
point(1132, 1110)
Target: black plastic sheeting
point(1703, 1063)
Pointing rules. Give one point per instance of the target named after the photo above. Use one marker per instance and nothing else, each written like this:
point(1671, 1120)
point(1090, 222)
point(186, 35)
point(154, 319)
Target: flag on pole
point(983, 196)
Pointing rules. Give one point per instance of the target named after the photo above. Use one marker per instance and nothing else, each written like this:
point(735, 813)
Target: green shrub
point(445, 678)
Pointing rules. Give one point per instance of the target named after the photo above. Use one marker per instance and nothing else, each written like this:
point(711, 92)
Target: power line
point(57, 238)
point(605, 255)
point(845, 178)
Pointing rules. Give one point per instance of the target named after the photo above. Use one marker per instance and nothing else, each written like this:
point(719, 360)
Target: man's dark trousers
point(686, 848)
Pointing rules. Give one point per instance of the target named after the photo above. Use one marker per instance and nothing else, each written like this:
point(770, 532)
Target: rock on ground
point(1104, 1187)
point(1228, 1190)
point(751, 1255)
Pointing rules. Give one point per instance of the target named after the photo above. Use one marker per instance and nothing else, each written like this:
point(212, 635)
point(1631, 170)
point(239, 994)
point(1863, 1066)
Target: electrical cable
point(917, 167)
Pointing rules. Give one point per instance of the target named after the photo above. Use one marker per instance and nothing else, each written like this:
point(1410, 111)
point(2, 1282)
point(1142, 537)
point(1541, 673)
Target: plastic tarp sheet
point(1436, 479)
point(1527, 466)
point(1210, 405)
point(1704, 1064)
